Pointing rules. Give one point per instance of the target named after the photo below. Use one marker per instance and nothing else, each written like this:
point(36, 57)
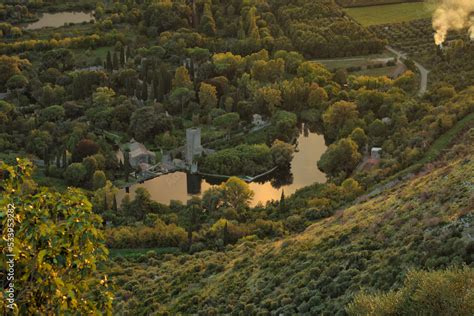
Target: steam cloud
point(453, 15)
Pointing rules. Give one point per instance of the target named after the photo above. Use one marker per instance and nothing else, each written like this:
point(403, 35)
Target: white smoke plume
point(453, 15)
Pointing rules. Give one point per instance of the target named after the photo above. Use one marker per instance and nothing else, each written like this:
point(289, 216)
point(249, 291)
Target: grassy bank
point(436, 149)
point(133, 253)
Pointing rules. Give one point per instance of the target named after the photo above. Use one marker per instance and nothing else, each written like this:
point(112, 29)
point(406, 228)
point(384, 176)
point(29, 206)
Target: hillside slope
point(425, 222)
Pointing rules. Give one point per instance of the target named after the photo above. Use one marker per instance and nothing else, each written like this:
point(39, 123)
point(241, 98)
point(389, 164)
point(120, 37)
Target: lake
point(304, 171)
point(59, 19)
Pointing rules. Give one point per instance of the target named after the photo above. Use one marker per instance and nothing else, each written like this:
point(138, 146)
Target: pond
point(304, 171)
point(59, 19)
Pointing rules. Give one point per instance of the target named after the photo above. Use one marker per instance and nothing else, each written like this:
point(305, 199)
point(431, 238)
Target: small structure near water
point(375, 153)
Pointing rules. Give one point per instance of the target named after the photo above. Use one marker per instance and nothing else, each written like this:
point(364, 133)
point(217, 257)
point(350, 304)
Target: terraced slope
point(425, 222)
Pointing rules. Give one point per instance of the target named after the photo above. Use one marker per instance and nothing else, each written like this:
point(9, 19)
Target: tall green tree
point(108, 63)
point(342, 156)
point(236, 193)
point(115, 61)
point(140, 205)
point(144, 93)
point(55, 272)
point(207, 23)
point(122, 56)
point(340, 119)
point(182, 78)
point(193, 217)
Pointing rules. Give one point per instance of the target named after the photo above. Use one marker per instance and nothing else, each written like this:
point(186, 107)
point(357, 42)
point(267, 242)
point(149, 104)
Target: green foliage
point(98, 179)
point(370, 245)
point(359, 137)
point(182, 79)
point(228, 121)
point(268, 99)
point(75, 174)
point(342, 156)
point(55, 270)
point(340, 119)
point(207, 96)
point(236, 193)
point(282, 153)
point(249, 160)
point(146, 122)
point(445, 292)
point(170, 65)
point(158, 235)
point(9, 67)
point(207, 23)
point(284, 125)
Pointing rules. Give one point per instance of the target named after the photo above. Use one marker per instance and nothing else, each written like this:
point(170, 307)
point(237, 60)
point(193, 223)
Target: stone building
point(193, 144)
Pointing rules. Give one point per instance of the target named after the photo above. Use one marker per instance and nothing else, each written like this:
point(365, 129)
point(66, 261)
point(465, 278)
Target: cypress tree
point(241, 31)
point(115, 61)
point(144, 91)
point(108, 63)
point(194, 15)
point(191, 71)
point(144, 72)
point(225, 238)
point(253, 31)
point(64, 158)
point(114, 205)
point(105, 201)
point(58, 160)
point(122, 56)
point(128, 54)
point(126, 164)
point(282, 204)
point(154, 90)
point(164, 82)
point(207, 23)
point(46, 161)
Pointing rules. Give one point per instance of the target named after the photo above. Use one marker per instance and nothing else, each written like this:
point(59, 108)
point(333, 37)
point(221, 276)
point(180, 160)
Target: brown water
point(59, 19)
point(175, 186)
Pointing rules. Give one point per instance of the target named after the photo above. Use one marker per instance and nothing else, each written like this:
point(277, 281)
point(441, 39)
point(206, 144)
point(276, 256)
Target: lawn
point(355, 61)
point(377, 72)
point(362, 62)
point(89, 57)
point(391, 13)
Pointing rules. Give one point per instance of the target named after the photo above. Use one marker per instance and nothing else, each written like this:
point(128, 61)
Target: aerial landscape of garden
point(242, 157)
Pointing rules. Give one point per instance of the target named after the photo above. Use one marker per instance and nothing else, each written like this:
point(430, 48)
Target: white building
point(257, 120)
point(375, 153)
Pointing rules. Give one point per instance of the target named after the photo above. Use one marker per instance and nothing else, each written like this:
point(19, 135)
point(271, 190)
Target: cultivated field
point(370, 65)
point(392, 13)
point(366, 3)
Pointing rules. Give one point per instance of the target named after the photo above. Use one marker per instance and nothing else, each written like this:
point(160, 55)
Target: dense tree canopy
point(54, 270)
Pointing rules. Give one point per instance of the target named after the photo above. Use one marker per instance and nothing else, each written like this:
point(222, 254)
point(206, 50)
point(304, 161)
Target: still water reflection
point(180, 186)
point(59, 19)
